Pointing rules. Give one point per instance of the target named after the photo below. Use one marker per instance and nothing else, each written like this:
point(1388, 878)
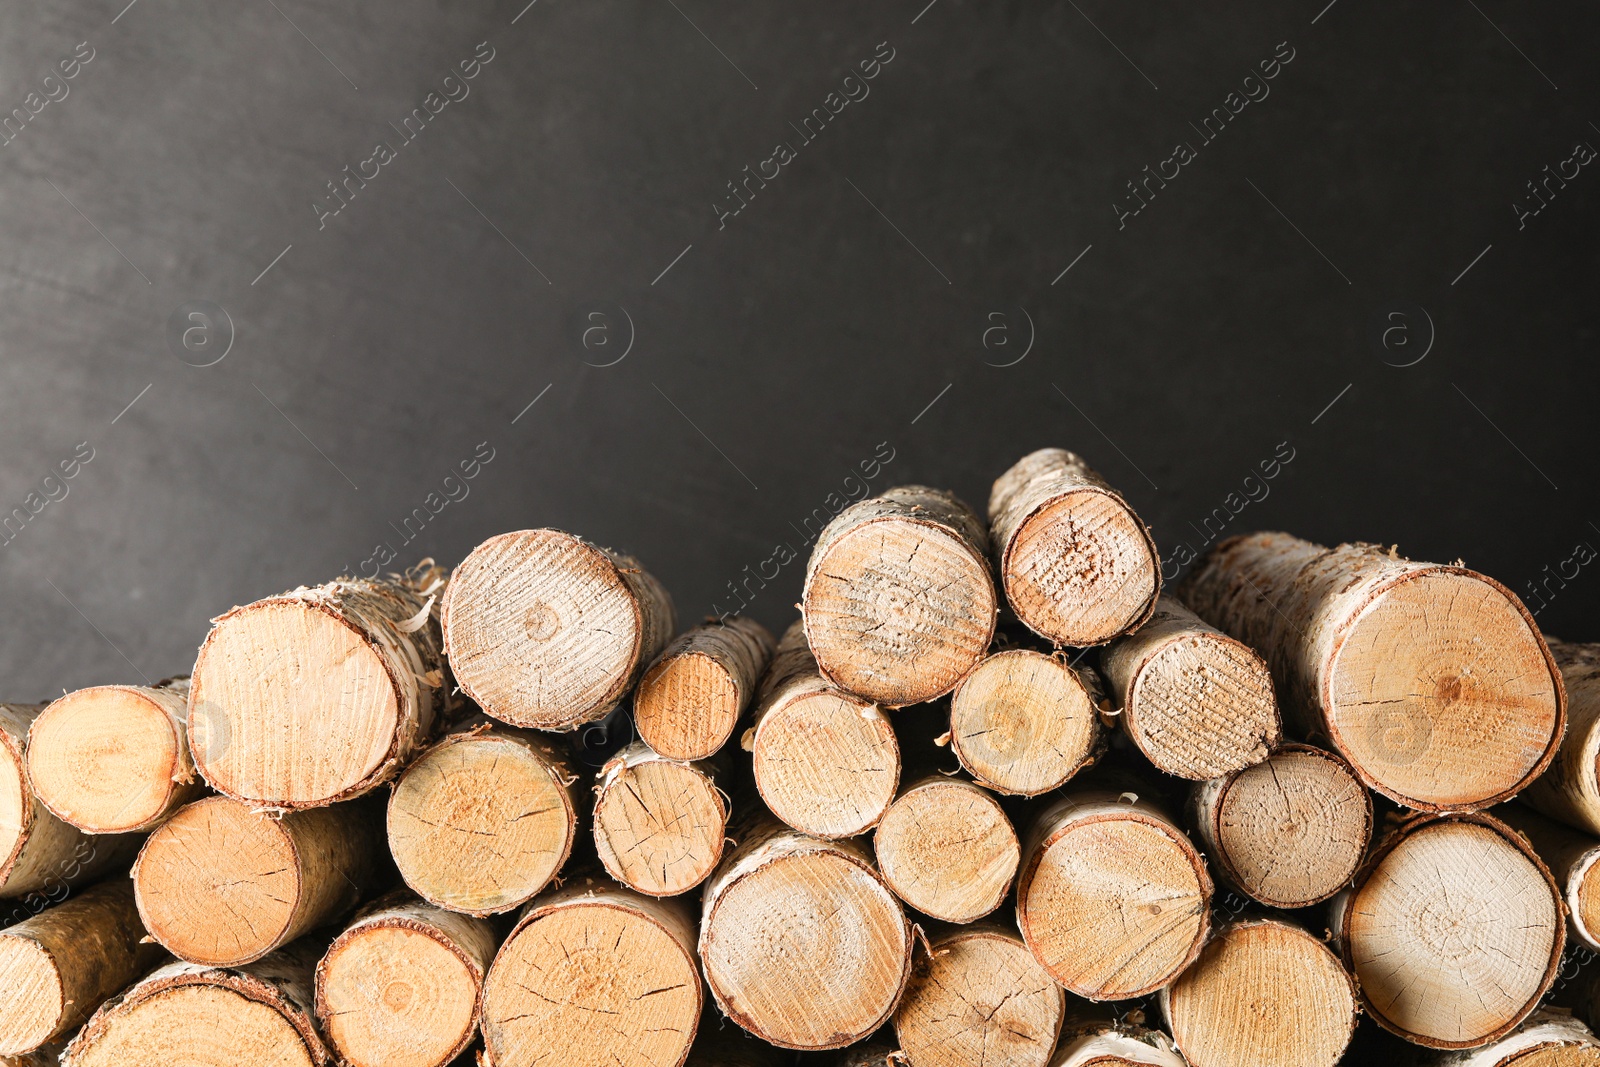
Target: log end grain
point(947, 849)
point(690, 699)
point(826, 762)
point(659, 825)
point(1023, 722)
point(1548, 1039)
point(35, 1000)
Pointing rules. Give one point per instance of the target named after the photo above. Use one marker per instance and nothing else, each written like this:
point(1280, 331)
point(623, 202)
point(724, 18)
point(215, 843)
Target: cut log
point(803, 944)
point(1264, 993)
point(544, 629)
point(659, 824)
point(1196, 702)
point(223, 885)
point(690, 699)
point(1454, 930)
point(825, 761)
point(1077, 565)
point(594, 975)
point(1571, 857)
point(1112, 898)
point(1431, 680)
point(114, 758)
point(899, 601)
point(320, 694)
point(979, 996)
point(947, 849)
point(484, 819)
point(1570, 790)
point(1098, 1043)
point(1547, 1039)
point(403, 984)
point(1289, 832)
point(1024, 723)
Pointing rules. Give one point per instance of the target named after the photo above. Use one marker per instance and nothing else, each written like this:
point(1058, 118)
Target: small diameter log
point(594, 974)
point(223, 885)
point(1265, 993)
point(1098, 1043)
point(947, 849)
point(690, 699)
point(1547, 1039)
point(403, 984)
point(899, 601)
point(1571, 857)
point(659, 824)
point(1077, 565)
point(1024, 723)
point(1195, 701)
point(320, 694)
point(1289, 832)
point(1454, 930)
point(1112, 898)
point(803, 944)
point(1431, 680)
point(1570, 790)
point(485, 818)
point(544, 629)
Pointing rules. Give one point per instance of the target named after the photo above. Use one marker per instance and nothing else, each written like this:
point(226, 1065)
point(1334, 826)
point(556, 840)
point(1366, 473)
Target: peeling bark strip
point(1077, 565)
point(690, 699)
point(947, 849)
point(1195, 701)
point(1431, 680)
point(1547, 1039)
point(1109, 1044)
point(545, 630)
point(1454, 930)
point(1574, 860)
point(899, 602)
point(1570, 790)
point(1024, 723)
point(659, 824)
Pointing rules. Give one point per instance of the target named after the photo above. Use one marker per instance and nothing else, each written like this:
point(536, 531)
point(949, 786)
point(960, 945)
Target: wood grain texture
point(691, 698)
point(947, 849)
point(1574, 860)
point(1023, 722)
point(1105, 1044)
point(1570, 790)
point(1546, 1039)
point(659, 824)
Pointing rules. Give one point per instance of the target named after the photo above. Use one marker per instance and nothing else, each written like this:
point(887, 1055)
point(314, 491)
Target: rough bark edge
point(15, 722)
point(1545, 1028)
point(1570, 790)
point(1569, 853)
point(1084, 1043)
point(632, 756)
point(740, 646)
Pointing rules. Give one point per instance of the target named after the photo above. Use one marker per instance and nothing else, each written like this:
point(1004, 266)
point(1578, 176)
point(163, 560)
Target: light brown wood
point(899, 601)
point(1574, 861)
point(48, 1056)
point(545, 630)
point(1289, 832)
point(803, 945)
point(1547, 1039)
point(1024, 723)
point(1570, 790)
point(1266, 993)
point(1077, 565)
point(483, 820)
point(1108, 1044)
point(659, 824)
point(947, 849)
point(691, 698)
point(1431, 680)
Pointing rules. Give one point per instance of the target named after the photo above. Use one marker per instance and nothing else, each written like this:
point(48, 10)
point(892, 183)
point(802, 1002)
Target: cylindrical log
point(947, 849)
point(1265, 993)
point(484, 819)
point(1571, 857)
point(1195, 701)
point(1547, 1039)
point(690, 699)
point(825, 761)
point(803, 944)
point(594, 974)
point(221, 884)
point(899, 601)
point(1077, 565)
point(403, 984)
point(1112, 898)
point(1570, 790)
point(1098, 1043)
point(979, 996)
point(544, 629)
point(1024, 723)
point(1290, 831)
point(1431, 680)
point(1454, 930)
point(659, 824)
point(320, 694)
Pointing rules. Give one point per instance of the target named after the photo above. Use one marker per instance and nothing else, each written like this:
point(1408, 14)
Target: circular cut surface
point(104, 758)
point(1205, 707)
point(659, 827)
point(16, 805)
point(824, 767)
point(947, 849)
point(196, 1026)
point(1441, 692)
point(1081, 569)
point(686, 706)
point(395, 997)
point(981, 999)
point(1021, 722)
point(31, 1004)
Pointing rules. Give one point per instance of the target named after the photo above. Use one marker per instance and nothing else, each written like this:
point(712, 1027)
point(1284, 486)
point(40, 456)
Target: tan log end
point(690, 699)
point(1099, 1043)
point(1548, 1038)
point(1024, 723)
point(947, 849)
point(899, 601)
point(544, 629)
point(659, 825)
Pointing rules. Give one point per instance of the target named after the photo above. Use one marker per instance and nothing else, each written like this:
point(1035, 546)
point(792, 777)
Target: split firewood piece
point(899, 601)
point(320, 694)
point(484, 819)
point(1077, 564)
point(1112, 898)
point(659, 824)
point(1023, 722)
point(1195, 701)
point(1096, 1042)
point(1454, 930)
point(803, 944)
point(1570, 790)
point(947, 849)
point(690, 699)
point(1290, 831)
point(1572, 858)
point(1547, 1039)
point(1263, 992)
point(545, 630)
point(1431, 680)
point(594, 974)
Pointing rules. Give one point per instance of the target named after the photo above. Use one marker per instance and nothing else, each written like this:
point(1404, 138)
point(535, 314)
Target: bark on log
point(1024, 723)
point(1431, 680)
point(1570, 790)
point(1077, 565)
point(1547, 1039)
point(659, 824)
point(1107, 1044)
point(545, 630)
point(947, 849)
point(1195, 701)
point(1289, 832)
point(899, 601)
point(1572, 858)
point(692, 697)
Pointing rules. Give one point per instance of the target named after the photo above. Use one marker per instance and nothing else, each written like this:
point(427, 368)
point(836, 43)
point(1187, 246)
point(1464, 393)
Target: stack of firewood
point(995, 798)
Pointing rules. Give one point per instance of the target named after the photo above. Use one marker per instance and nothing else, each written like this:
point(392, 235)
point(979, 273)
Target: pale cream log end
point(1023, 722)
point(659, 824)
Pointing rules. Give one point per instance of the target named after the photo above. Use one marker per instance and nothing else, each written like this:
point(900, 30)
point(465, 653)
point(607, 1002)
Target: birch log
point(1431, 680)
point(691, 698)
point(947, 849)
point(1572, 858)
point(899, 601)
point(1024, 723)
point(1107, 1044)
point(1547, 1039)
point(659, 824)
point(1570, 790)
point(545, 630)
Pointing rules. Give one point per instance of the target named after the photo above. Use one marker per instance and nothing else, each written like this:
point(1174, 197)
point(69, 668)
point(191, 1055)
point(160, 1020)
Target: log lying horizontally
point(1547, 1039)
point(1097, 1043)
point(690, 699)
point(1024, 723)
point(1574, 860)
point(659, 824)
point(947, 849)
point(1570, 790)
